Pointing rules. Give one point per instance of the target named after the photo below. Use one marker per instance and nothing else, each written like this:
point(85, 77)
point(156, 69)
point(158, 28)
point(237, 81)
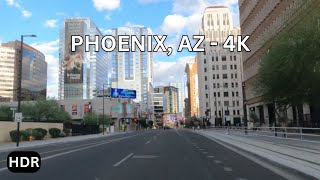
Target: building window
point(238, 112)
point(206, 87)
point(214, 94)
point(235, 66)
point(218, 94)
point(232, 85)
point(213, 67)
point(205, 78)
point(237, 94)
point(224, 67)
point(230, 58)
point(231, 67)
point(205, 69)
point(212, 58)
point(224, 58)
point(233, 103)
point(236, 84)
point(226, 103)
point(235, 58)
point(231, 76)
point(225, 76)
point(225, 85)
point(226, 94)
point(214, 85)
point(238, 103)
point(236, 76)
point(217, 58)
point(204, 52)
point(207, 96)
point(217, 67)
point(217, 76)
point(218, 85)
point(213, 76)
point(207, 104)
point(205, 61)
point(232, 94)
point(234, 112)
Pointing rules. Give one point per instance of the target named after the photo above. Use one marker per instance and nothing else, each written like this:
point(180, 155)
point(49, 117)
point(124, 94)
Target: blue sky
point(44, 18)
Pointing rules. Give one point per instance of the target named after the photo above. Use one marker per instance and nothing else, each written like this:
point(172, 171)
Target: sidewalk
point(24, 144)
point(298, 155)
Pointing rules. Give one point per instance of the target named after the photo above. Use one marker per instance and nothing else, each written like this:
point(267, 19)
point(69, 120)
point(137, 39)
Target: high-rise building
point(171, 93)
point(266, 21)
point(133, 70)
point(82, 74)
point(193, 89)
point(34, 72)
point(219, 69)
point(182, 94)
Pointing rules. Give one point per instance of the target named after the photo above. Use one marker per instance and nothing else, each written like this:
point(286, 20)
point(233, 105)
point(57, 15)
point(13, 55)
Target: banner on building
point(74, 109)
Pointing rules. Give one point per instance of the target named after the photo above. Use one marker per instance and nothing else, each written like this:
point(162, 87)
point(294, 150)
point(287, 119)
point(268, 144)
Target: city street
point(156, 154)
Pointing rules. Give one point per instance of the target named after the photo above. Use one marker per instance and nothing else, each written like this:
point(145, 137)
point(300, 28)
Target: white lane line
point(178, 133)
point(217, 162)
point(205, 152)
point(145, 157)
point(68, 152)
point(201, 149)
point(3, 161)
point(124, 159)
point(210, 157)
point(148, 141)
point(228, 169)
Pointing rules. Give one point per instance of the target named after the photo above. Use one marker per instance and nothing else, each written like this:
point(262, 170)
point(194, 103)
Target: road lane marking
point(217, 162)
point(228, 169)
point(88, 147)
point(148, 141)
point(124, 159)
point(210, 157)
point(3, 161)
point(201, 149)
point(205, 152)
point(145, 157)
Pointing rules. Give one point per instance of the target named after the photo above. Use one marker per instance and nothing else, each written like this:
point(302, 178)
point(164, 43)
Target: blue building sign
point(123, 93)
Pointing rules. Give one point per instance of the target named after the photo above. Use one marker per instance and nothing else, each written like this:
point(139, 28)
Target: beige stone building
point(192, 84)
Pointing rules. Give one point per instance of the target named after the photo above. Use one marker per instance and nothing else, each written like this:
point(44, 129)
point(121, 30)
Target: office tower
point(193, 88)
point(34, 72)
point(182, 94)
point(82, 74)
point(219, 70)
point(133, 70)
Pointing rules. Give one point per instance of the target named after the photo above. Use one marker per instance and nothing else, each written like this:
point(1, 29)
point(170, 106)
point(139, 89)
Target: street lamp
point(103, 107)
point(19, 83)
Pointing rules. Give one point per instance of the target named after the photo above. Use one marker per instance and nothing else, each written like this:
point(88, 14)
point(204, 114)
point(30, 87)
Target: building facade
point(34, 72)
point(133, 70)
point(182, 94)
point(193, 88)
point(266, 21)
point(81, 74)
point(219, 69)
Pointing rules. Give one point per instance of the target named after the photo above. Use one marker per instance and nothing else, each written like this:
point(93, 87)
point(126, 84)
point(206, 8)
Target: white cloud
point(50, 50)
point(174, 23)
point(26, 13)
point(168, 72)
point(13, 3)
point(107, 17)
point(149, 1)
point(101, 5)
point(51, 23)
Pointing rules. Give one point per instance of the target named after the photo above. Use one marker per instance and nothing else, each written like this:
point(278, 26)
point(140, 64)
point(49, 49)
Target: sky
point(165, 17)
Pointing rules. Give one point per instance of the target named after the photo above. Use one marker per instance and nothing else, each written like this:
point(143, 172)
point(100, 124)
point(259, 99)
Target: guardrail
point(295, 133)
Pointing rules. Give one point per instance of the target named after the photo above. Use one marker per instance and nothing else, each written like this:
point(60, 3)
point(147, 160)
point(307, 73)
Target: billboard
point(73, 61)
point(123, 93)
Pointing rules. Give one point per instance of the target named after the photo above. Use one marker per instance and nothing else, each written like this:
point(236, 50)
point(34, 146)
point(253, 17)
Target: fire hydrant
point(30, 138)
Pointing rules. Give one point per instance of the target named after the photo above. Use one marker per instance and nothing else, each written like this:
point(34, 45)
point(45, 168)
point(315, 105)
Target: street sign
point(18, 117)
point(13, 109)
point(123, 93)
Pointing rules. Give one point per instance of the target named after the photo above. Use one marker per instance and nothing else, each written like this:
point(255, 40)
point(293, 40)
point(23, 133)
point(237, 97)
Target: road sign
point(13, 109)
point(123, 93)
point(18, 117)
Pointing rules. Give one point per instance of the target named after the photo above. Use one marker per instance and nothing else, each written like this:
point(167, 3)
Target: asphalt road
point(156, 154)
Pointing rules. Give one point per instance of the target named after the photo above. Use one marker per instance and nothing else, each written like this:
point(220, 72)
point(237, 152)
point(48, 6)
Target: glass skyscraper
point(133, 70)
point(82, 74)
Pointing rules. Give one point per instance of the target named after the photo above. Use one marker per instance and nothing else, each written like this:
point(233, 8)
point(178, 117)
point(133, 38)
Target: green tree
point(5, 113)
point(93, 118)
point(289, 74)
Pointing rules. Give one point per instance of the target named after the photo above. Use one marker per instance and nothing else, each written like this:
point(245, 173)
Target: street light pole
point(102, 109)
point(19, 84)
